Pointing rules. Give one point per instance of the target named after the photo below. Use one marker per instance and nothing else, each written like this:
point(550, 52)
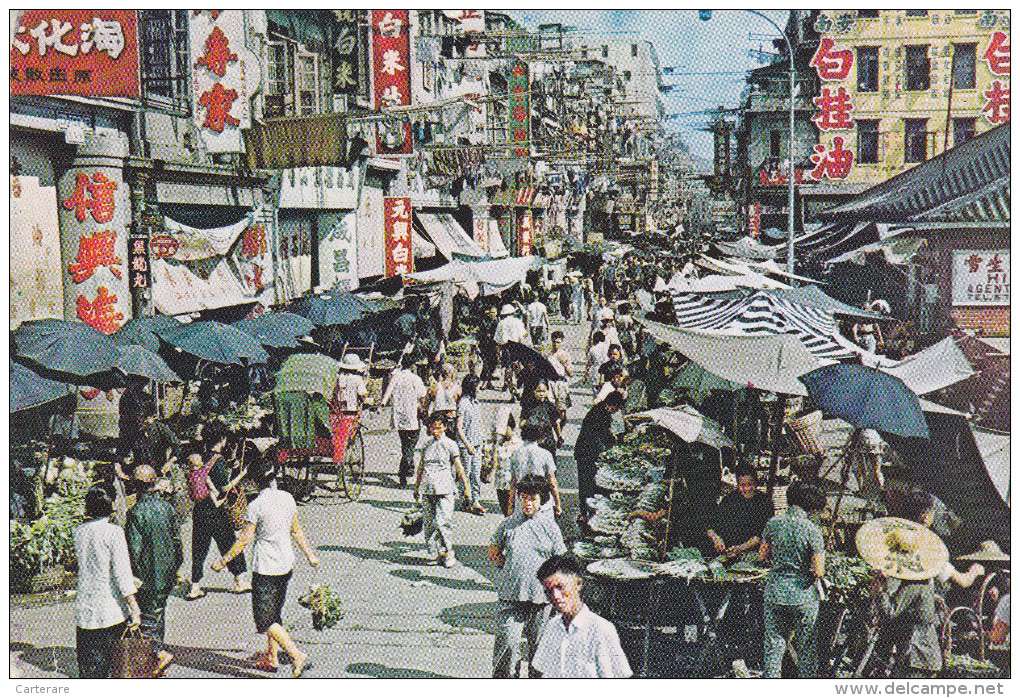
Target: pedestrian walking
point(435, 459)
point(487, 346)
point(407, 391)
point(271, 521)
point(469, 439)
point(576, 643)
point(154, 543)
point(443, 396)
point(579, 309)
point(519, 546)
point(534, 459)
point(106, 587)
point(540, 412)
point(509, 329)
point(565, 297)
point(505, 443)
point(595, 438)
point(538, 322)
point(208, 485)
point(598, 354)
point(795, 547)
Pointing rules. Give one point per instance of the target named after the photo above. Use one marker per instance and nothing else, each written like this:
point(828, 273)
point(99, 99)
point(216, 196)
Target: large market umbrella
point(68, 347)
point(29, 389)
point(332, 308)
point(689, 424)
point(307, 373)
point(136, 360)
point(276, 329)
point(533, 362)
point(143, 331)
point(215, 342)
point(867, 399)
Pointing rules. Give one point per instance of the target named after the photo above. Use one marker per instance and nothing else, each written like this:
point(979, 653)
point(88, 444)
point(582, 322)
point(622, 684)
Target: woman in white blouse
point(106, 587)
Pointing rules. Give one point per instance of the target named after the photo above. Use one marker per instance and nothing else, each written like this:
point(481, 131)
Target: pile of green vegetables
point(848, 576)
point(325, 606)
point(48, 541)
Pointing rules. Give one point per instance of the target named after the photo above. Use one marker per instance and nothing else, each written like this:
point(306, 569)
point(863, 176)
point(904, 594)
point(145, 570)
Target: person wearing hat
point(509, 329)
point(154, 545)
point(348, 394)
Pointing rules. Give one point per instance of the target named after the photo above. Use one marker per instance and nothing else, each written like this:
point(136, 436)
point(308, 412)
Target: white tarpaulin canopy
point(492, 275)
point(689, 424)
point(770, 362)
point(196, 243)
point(177, 290)
point(449, 237)
point(994, 450)
point(934, 368)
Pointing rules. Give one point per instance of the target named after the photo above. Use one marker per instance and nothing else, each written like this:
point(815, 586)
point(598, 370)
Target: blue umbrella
point(333, 308)
point(136, 360)
point(142, 331)
point(29, 389)
point(68, 347)
point(276, 329)
point(866, 398)
point(216, 342)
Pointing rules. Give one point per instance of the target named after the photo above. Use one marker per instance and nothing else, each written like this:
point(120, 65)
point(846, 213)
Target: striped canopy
point(762, 313)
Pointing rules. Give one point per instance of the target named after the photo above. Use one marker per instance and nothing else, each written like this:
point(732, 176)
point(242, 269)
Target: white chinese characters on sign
point(399, 255)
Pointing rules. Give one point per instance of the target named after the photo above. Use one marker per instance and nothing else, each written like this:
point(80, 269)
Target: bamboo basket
point(804, 432)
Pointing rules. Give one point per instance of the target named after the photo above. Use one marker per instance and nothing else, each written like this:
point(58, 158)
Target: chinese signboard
point(777, 176)
point(95, 209)
point(345, 53)
point(336, 251)
point(220, 98)
point(138, 261)
point(391, 52)
point(76, 52)
point(397, 217)
point(519, 107)
point(525, 227)
point(981, 277)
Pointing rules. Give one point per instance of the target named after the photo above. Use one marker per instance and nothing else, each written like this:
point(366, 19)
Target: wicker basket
point(804, 432)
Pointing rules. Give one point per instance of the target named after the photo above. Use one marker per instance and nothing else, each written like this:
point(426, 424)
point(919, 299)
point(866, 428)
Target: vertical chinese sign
point(220, 99)
point(336, 252)
point(996, 55)
point(526, 229)
point(391, 52)
point(92, 53)
point(345, 53)
point(138, 261)
point(95, 211)
point(519, 107)
point(397, 217)
point(832, 161)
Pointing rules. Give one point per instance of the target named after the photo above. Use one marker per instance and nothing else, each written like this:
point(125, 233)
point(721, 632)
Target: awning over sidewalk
point(177, 290)
point(934, 368)
point(448, 236)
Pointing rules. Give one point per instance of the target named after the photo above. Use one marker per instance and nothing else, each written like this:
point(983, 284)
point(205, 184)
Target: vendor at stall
point(741, 516)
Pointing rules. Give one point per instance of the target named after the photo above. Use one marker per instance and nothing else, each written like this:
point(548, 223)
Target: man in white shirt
point(597, 355)
point(538, 322)
point(576, 643)
point(407, 392)
point(436, 457)
point(509, 329)
point(533, 459)
point(350, 388)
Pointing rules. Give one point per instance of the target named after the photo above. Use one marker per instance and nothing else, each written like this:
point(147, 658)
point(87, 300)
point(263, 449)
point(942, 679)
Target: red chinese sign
point(101, 312)
point(397, 228)
point(391, 53)
point(832, 163)
point(220, 99)
point(754, 220)
point(777, 176)
point(98, 202)
point(94, 251)
point(832, 65)
point(997, 54)
point(996, 108)
point(217, 53)
point(76, 52)
point(834, 110)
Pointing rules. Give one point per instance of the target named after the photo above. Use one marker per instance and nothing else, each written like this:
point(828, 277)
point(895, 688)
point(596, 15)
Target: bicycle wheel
point(352, 470)
point(327, 475)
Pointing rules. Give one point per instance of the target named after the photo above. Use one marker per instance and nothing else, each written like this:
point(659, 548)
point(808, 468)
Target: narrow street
point(402, 619)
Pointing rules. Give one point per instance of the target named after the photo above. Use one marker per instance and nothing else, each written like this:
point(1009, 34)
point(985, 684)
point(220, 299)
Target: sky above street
point(710, 59)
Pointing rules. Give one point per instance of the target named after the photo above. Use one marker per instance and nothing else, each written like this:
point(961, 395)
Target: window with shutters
point(964, 56)
point(163, 49)
point(307, 74)
point(918, 68)
point(867, 68)
point(915, 140)
point(279, 99)
point(867, 141)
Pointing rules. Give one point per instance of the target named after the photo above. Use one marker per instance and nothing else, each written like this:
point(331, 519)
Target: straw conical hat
point(902, 549)
point(988, 552)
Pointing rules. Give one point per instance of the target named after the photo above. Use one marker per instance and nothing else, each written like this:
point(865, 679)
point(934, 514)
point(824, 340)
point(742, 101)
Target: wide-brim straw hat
point(902, 549)
point(988, 552)
point(507, 310)
point(352, 362)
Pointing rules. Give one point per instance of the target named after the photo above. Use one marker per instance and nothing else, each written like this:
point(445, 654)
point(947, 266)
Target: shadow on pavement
point(396, 553)
point(380, 671)
point(389, 505)
point(477, 616)
point(204, 659)
point(63, 660)
point(462, 584)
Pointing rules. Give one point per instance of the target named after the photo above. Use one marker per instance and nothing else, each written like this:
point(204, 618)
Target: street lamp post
point(705, 15)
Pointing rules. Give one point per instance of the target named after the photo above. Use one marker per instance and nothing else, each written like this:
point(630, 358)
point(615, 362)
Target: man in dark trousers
point(154, 544)
point(595, 438)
